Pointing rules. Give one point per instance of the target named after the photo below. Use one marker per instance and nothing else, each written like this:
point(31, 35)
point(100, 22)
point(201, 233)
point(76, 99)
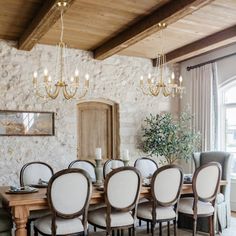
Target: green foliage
point(170, 138)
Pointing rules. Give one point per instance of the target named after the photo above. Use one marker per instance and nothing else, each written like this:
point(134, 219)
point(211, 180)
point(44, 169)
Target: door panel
point(95, 129)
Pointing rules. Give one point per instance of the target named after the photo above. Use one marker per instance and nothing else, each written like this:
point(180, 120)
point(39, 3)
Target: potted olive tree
point(171, 138)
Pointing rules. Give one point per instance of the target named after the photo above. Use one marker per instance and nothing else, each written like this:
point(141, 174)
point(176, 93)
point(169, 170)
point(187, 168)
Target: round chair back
point(206, 180)
point(84, 165)
point(110, 165)
point(146, 166)
point(122, 187)
point(69, 192)
point(166, 185)
point(32, 172)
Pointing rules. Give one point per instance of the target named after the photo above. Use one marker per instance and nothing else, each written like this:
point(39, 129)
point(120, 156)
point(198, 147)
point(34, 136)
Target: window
point(228, 121)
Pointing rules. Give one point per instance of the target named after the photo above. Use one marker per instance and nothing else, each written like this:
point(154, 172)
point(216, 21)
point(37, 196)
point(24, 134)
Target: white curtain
point(204, 104)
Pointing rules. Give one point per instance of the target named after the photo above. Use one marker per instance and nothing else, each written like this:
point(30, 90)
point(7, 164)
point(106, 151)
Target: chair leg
point(94, 229)
point(194, 227)
point(122, 232)
point(35, 232)
point(113, 232)
point(211, 225)
point(118, 232)
point(168, 228)
point(152, 228)
point(134, 231)
point(28, 227)
point(108, 233)
point(175, 228)
point(129, 231)
point(160, 229)
point(140, 223)
point(147, 227)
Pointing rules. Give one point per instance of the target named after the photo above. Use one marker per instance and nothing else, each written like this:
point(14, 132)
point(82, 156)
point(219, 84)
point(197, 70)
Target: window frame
point(222, 117)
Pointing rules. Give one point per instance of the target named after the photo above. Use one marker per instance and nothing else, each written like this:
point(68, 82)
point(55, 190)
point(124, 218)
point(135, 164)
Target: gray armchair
point(223, 198)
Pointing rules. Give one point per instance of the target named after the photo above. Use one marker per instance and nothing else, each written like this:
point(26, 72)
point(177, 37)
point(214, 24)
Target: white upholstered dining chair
point(109, 165)
point(146, 166)
point(206, 181)
point(31, 174)
point(121, 190)
point(84, 165)
point(68, 195)
point(166, 186)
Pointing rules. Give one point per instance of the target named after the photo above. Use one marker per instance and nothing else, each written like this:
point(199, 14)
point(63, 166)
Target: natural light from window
point(228, 122)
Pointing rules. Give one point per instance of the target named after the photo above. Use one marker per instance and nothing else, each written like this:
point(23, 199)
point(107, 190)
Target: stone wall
point(116, 78)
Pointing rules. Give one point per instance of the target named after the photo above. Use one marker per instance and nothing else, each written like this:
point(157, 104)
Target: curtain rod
point(208, 62)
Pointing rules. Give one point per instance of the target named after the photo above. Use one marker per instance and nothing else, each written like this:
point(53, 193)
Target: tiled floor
point(141, 231)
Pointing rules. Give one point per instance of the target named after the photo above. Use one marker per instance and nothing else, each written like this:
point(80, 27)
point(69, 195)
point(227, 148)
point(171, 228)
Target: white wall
point(116, 78)
point(226, 71)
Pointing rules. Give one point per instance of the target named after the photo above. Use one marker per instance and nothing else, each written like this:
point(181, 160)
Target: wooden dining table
point(21, 205)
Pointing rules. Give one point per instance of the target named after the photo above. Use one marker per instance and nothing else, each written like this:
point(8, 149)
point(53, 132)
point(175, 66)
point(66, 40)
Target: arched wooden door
point(98, 126)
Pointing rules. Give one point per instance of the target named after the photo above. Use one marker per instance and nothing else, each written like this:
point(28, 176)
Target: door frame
point(115, 119)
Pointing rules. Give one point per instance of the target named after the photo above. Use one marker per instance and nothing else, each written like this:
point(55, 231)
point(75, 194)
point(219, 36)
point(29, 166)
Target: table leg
point(20, 215)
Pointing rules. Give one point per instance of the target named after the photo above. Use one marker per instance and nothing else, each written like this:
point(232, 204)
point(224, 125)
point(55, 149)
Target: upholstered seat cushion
point(162, 213)
point(98, 217)
point(64, 226)
point(5, 221)
point(186, 206)
point(38, 214)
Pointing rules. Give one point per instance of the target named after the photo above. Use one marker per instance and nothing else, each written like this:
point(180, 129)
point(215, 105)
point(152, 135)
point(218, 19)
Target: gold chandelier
point(70, 86)
point(156, 84)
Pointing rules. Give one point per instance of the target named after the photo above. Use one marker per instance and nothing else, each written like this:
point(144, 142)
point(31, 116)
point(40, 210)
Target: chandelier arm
point(67, 95)
point(154, 89)
point(36, 88)
point(39, 94)
point(53, 95)
point(165, 91)
point(77, 97)
point(144, 92)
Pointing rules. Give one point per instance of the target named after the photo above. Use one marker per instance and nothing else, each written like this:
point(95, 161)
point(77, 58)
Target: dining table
point(21, 204)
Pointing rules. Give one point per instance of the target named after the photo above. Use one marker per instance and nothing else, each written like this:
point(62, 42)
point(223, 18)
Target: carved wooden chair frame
point(83, 212)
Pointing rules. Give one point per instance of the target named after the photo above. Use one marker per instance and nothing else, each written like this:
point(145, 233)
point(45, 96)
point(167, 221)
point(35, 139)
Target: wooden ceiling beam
point(47, 16)
point(206, 44)
point(168, 13)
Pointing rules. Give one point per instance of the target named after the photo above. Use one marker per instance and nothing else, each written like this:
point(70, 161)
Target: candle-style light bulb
point(45, 72)
point(35, 74)
point(87, 76)
point(49, 79)
point(72, 78)
point(149, 75)
point(172, 75)
point(76, 72)
point(141, 80)
point(180, 79)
